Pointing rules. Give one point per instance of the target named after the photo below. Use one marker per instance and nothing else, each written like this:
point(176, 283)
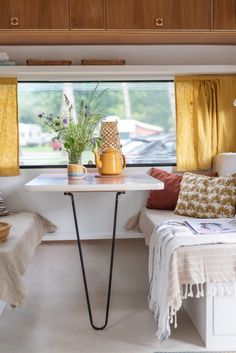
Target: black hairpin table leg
point(82, 260)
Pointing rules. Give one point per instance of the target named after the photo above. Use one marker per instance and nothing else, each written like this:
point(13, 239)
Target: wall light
point(234, 102)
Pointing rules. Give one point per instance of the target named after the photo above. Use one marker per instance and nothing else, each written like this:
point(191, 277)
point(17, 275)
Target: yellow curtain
point(205, 119)
point(9, 134)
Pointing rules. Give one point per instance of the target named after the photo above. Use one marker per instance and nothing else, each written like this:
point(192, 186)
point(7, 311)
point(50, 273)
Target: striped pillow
point(3, 210)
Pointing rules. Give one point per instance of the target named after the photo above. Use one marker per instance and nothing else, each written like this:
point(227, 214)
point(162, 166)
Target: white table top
point(94, 182)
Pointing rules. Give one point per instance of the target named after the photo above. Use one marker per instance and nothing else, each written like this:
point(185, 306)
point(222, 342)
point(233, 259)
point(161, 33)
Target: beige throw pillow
point(206, 197)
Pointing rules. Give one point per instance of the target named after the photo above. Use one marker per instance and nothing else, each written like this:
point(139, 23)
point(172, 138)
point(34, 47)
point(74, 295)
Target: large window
point(145, 112)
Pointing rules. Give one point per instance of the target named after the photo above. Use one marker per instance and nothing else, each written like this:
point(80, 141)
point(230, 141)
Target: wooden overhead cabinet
point(224, 15)
point(87, 14)
point(117, 22)
point(159, 14)
point(34, 14)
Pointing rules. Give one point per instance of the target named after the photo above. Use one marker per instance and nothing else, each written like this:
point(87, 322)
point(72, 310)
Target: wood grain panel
point(224, 14)
point(34, 14)
point(175, 14)
point(87, 14)
point(115, 37)
point(184, 14)
point(11, 9)
point(129, 14)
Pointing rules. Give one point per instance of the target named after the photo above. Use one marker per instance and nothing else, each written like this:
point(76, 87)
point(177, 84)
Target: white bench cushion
point(149, 219)
point(225, 164)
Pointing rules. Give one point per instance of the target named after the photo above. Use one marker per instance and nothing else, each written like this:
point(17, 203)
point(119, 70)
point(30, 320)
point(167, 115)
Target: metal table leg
point(82, 260)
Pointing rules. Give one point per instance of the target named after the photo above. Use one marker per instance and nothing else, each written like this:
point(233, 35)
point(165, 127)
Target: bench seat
point(213, 316)
point(25, 235)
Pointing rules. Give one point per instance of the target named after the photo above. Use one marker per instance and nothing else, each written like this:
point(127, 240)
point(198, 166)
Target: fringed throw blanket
point(171, 280)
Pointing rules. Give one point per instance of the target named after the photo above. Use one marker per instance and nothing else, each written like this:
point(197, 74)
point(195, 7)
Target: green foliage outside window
point(151, 106)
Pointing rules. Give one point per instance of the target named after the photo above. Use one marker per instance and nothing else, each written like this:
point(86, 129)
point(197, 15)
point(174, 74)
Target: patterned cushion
point(3, 210)
point(167, 198)
point(207, 197)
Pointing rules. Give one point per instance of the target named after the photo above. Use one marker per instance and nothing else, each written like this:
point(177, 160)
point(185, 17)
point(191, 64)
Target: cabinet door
point(224, 14)
point(158, 14)
point(184, 14)
point(87, 14)
point(130, 14)
point(34, 14)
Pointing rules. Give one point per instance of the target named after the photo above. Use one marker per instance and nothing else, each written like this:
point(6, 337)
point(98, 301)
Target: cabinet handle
point(15, 21)
point(159, 22)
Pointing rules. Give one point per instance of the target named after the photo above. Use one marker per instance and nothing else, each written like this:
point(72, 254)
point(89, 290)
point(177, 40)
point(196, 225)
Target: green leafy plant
point(76, 135)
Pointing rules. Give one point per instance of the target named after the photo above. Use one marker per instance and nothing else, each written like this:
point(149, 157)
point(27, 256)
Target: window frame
point(93, 166)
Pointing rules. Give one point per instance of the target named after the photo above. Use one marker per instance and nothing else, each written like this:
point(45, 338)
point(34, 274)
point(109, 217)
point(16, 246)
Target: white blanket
point(25, 234)
point(165, 297)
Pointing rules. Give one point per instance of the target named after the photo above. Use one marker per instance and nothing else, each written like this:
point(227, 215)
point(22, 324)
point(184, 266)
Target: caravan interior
point(101, 260)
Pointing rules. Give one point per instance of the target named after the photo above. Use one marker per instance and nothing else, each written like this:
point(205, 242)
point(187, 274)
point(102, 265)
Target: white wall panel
point(133, 54)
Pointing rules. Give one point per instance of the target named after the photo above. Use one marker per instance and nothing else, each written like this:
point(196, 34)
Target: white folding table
point(128, 181)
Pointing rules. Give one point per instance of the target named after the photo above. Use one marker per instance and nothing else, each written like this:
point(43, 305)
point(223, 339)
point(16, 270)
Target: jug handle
point(124, 161)
point(85, 170)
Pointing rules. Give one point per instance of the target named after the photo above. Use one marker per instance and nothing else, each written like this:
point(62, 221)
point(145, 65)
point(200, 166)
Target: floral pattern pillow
point(207, 197)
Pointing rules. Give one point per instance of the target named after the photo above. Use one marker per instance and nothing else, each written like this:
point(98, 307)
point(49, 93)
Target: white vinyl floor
point(55, 318)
